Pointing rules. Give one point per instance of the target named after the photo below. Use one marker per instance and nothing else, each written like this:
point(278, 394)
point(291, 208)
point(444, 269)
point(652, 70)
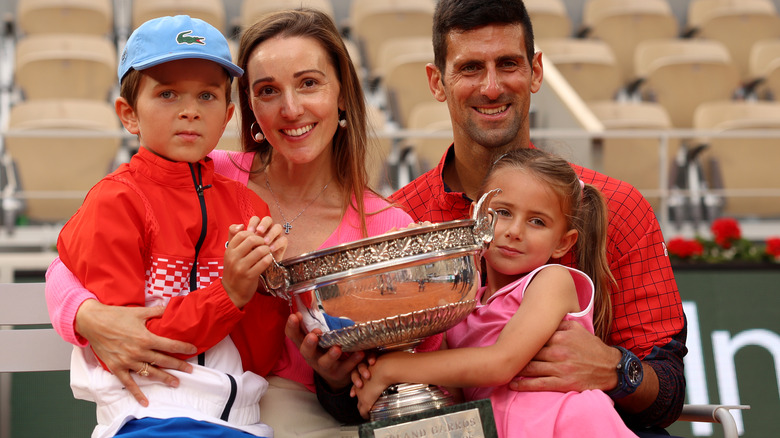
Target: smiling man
point(486, 70)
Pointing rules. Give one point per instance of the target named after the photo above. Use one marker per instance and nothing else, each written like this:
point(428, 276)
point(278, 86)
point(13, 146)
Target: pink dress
point(537, 414)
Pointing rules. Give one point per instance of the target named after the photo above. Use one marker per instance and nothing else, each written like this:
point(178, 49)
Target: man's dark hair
point(465, 15)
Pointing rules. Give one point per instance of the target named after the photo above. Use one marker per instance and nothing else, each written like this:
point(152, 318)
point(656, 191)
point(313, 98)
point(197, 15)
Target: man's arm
point(667, 364)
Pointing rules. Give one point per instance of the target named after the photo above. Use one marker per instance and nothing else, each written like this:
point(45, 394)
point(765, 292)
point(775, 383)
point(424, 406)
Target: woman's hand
point(332, 365)
point(119, 337)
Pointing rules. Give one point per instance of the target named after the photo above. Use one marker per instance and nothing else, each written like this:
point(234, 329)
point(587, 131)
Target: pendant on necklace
point(287, 227)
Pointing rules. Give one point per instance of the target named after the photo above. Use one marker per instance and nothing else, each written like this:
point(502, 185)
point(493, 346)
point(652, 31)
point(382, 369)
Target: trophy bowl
point(389, 292)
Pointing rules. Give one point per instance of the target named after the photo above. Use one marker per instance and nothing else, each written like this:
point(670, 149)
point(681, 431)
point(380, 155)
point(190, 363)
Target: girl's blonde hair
point(586, 210)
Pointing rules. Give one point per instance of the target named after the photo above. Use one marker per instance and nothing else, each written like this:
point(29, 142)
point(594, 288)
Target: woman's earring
point(343, 119)
point(258, 136)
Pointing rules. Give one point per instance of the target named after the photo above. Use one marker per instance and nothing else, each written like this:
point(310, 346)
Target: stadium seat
point(430, 117)
point(252, 10)
point(738, 24)
point(764, 68)
point(623, 24)
point(406, 83)
point(54, 170)
point(65, 16)
point(210, 11)
point(394, 49)
point(635, 160)
point(550, 18)
point(588, 65)
point(376, 21)
point(53, 66)
point(746, 163)
point(379, 147)
point(680, 74)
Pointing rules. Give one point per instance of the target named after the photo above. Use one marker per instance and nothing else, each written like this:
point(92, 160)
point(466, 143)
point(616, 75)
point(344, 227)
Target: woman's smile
point(297, 132)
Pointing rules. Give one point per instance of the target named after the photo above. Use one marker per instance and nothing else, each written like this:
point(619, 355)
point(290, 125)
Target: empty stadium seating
point(252, 10)
point(65, 16)
point(746, 163)
point(50, 66)
point(210, 11)
point(60, 149)
point(550, 18)
point(623, 24)
point(764, 68)
point(738, 24)
point(634, 159)
point(373, 22)
point(404, 79)
point(430, 118)
point(680, 74)
point(589, 65)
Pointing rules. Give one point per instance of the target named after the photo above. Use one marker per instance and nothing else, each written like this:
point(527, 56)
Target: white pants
point(294, 411)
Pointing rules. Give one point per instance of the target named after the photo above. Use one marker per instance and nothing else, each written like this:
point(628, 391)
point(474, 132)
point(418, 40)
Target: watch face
point(634, 372)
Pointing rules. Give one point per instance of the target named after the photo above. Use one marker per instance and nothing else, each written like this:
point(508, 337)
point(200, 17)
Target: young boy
point(157, 232)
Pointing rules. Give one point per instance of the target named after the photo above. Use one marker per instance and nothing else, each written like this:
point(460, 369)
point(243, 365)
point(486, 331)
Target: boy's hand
point(247, 256)
point(272, 233)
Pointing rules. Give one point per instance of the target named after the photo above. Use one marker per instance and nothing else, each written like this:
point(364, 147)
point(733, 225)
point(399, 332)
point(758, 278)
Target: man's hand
point(119, 337)
point(332, 365)
point(572, 360)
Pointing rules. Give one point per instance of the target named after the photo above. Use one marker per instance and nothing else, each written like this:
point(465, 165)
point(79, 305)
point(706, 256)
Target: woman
point(303, 130)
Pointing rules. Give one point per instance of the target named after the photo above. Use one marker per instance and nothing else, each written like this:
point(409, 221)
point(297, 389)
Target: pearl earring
point(343, 123)
point(342, 118)
point(259, 137)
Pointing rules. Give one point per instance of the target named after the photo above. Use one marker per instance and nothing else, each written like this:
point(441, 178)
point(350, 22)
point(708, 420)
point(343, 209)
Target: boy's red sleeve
point(111, 263)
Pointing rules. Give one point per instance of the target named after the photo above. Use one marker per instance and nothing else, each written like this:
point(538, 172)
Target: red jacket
point(133, 243)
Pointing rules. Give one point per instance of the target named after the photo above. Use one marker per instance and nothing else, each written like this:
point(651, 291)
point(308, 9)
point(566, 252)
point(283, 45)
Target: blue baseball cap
point(166, 39)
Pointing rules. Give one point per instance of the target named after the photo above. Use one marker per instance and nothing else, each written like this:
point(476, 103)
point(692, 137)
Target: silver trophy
point(390, 292)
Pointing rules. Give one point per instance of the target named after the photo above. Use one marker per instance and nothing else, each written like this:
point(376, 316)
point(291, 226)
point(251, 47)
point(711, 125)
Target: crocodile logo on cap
point(185, 38)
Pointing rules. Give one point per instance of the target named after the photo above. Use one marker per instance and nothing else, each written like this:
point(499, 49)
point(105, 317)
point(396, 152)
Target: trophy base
point(409, 398)
point(465, 420)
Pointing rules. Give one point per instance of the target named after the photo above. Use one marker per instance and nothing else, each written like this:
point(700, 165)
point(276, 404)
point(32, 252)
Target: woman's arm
point(118, 335)
point(547, 299)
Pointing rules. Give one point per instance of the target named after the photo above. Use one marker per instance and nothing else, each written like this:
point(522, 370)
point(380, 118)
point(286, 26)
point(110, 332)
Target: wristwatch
point(629, 372)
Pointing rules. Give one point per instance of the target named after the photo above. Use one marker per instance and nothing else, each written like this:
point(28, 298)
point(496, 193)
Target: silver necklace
point(288, 224)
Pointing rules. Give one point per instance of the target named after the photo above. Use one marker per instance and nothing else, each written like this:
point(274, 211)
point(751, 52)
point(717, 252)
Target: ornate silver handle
point(276, 280)
point(484, 218)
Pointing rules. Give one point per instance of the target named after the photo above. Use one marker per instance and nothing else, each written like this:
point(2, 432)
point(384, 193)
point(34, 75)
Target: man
point(486, 70)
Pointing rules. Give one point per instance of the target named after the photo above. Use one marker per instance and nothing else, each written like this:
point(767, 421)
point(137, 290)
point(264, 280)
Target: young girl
point(543, 210)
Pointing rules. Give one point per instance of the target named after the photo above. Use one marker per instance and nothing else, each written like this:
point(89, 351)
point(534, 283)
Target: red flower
point(725, 230)
point(773, 247)
point(684, 248)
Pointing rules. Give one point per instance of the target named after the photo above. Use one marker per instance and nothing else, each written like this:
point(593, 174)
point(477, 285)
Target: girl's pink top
point(65, 294)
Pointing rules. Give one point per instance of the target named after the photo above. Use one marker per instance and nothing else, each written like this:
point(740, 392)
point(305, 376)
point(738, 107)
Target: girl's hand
point(367, 389)
point(361, 373)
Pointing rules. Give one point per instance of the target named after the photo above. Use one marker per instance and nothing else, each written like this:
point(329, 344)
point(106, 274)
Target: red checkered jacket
point(133, 243)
